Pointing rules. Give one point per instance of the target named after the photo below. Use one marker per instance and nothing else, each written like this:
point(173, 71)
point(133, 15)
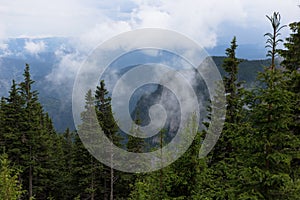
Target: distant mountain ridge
point(57, 102)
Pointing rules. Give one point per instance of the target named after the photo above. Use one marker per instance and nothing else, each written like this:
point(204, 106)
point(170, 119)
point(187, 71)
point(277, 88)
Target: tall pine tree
point(110, 129)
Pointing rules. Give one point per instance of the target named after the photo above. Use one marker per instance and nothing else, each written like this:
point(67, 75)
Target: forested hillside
point(256, 157)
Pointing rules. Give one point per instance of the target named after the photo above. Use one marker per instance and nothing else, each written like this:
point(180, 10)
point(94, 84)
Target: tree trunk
point(111, 174)
point(161, 170)
point(30, 175)
point(111, 184)
point(105, 187)
point(93, 177)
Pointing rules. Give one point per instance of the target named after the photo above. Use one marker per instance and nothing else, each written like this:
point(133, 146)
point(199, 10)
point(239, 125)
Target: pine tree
point(231, 83)
point(291, 63)
point(13, 123)
point(109, 127)
point(25, 135)
point(2, 116)
point(219, 168)
point(176, 181)
point(105, 115)
point(185, 176)
point(269, 145)
point(273, 40)
point(233, 92)
point(86, 172)
point(291, 54)
point(86, 164)
point(136, 144)
point(68, 177)
point(32, 133)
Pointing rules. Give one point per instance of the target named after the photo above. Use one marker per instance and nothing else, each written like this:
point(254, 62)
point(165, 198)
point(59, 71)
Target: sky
point(91, 22)
point(210, 22)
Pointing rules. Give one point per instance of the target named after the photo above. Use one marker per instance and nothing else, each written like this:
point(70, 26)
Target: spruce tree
point(291, 63)
point(177, 181)
point(32, 132)
point(87, 173)
point(87, 166)
point(269, 144)
point(136, 144)
point(68, 177)
point(218, 169)
point(273, 39)
point(2, 116)
point(291, 54)
point(110, 129)
point(13, 137)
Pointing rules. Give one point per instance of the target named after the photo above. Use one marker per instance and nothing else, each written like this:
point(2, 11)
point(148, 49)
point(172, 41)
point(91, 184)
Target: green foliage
point(10, 188)
point(218, 171)
point(135, 143)
point(291, 63)
point(291, 54)
point(256, 157)
point(271, 145)
point(273, 40)
point(105, 115)
point(87, 171)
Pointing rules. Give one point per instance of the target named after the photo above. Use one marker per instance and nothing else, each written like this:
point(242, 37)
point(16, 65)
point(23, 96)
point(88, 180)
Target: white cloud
point(2, 30)
point(101, 32)
point(204, 21)
point(4, 50)
point(196, 19)
point(91, 22)
point(64, 71)
point(34, 48)
point(208, 21)
point(57, 18)
point(3, 46)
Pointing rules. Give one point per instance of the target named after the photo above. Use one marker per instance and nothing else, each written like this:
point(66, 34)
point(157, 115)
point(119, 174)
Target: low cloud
point(4, 49)
point(3, 46)
point(64, 71)
point(34, 48)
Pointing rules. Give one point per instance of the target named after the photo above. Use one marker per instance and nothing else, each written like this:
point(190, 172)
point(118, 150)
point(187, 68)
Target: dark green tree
point(269, 144)
point(2, 116)
point(68, 182)
point(26, 134)
point(86, 172)
point(88, 169)
point(291, 63)
point(12, 125)
point(136, 144)
point(273, 39)
point(176, 181)
point(109, 128)
point(218, 170)
point(291, 54)
point(32, 130)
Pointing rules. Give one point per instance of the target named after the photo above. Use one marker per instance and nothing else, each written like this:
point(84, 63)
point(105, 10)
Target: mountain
point(46, 55)
point(248, 51)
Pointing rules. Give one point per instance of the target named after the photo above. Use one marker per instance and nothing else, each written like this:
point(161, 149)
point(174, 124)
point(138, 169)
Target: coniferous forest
point(256, 157)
